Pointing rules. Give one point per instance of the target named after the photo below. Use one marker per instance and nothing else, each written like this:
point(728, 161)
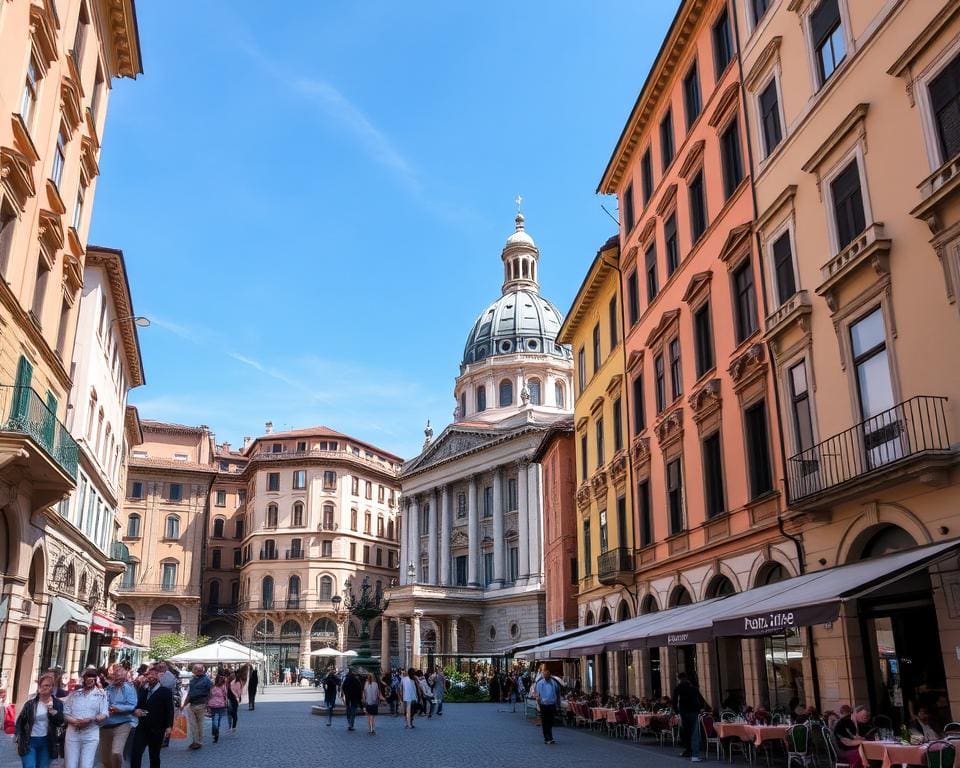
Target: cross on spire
point(519, 201)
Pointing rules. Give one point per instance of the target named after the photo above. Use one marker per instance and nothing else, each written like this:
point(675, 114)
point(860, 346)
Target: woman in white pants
point(84, 710)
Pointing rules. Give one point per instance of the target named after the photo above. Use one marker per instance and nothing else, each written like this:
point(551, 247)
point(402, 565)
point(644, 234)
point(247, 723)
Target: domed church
point(471, 574)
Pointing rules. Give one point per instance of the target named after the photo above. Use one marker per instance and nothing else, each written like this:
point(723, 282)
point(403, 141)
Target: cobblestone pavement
point(282, 733)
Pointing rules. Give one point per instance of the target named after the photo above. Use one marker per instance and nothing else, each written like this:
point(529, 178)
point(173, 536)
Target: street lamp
point(339, 616)
point(411, 573)
point(139, 320)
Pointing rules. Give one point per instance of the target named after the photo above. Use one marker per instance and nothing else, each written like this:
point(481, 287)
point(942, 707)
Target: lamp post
point(339, 616)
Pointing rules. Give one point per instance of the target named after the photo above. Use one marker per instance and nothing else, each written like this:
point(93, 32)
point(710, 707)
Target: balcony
point(32, 437)
point(119, 552)
point(907, 441)
point(293, 603)
point(937, 192)
point(615, 566)
point(294, 554)
point(162, 588)
point(269, 554)
point(327, 525)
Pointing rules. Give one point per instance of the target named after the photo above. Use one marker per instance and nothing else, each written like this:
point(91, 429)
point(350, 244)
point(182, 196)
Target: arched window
point(524, 268)
point(390, 529)
point(264, 629)
point(218, 524)
point(506, 393)
point(328, 517)
point(290, 630)
point(353, 519)
point(297, 514)
point(481, 399)
point(589, 620)
point(293, 592)
point(680, 596)
point(533, 387)
point(558, 395)
point(266, 592)
point(168, 575)
point(272, 516)
point(165, 619)
point(326, 587)
point(269, 550)
point(133, 526)
point(463, 405)
point(214, 593)
point(172, 530)
point(720, 586)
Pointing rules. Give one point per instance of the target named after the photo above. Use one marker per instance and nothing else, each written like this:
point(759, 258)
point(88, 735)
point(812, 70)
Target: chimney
point(269, 427)
point(225, 447)
point(246, 441)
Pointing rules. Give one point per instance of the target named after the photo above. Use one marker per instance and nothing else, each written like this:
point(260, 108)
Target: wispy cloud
point(191, 333)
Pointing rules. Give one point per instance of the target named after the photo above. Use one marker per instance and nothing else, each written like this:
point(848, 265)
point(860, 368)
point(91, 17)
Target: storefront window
point(783, 664)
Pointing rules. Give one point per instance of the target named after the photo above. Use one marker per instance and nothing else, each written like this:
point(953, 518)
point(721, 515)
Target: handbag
point(179, 730)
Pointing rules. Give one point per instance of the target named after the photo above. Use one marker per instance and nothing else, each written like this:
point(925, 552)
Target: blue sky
point(312, 197)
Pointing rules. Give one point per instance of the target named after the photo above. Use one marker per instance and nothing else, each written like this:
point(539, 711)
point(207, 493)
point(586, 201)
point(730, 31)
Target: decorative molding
point(50, 234)
point(88, 158)
point(726, 104)
point(870, 247)
point(667, 199)
point(16, 175)
point(794, 311)
point(71, 98)
point(583, 495)
point(641, 449)
point(43, 31)
point(618, 467)
point(699, 284)
point(738, 241)
point(647, 230)
point(614, 384)
point(598, 483)
point(635, 358)
point(459, 539)
point(705, 400)
point(855, 120)
point(786, 197)
point(769, 55)
point(667, 320)
point(597, 404)
point(125, 46)
point(693, 159)
point(582, 423)
point(670, 427)
point(748, 366)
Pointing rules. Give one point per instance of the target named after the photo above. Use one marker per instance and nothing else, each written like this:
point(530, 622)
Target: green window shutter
point(21, 392)
point(50, 419)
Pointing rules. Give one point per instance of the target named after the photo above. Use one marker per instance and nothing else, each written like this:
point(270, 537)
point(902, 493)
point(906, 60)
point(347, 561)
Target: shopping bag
point(179, 730)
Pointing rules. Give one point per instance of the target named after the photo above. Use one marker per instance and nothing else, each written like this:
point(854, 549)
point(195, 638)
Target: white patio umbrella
point(325, 652)
point(349, 653)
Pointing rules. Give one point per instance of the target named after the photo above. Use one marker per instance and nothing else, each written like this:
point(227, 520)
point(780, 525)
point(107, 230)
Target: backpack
point(9, 719)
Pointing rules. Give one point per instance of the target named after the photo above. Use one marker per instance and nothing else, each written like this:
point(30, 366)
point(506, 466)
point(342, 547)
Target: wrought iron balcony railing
point(162, 588)
point(613, 562)
point(26, 413)
point(269, 554)
point(294, 554)
point(913, 428)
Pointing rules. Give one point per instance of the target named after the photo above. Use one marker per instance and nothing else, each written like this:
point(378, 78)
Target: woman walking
point(234, 697)
point(408, 687)
point(372, 696)
point(38, 726)
point(217, 702)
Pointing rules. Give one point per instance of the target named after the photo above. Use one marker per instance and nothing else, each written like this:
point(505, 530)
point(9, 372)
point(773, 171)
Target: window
point(488, 501)
point(617, 425)
point(533, 389)
point(675, 495)
point(698, 207)
point(380, 526)
point(487, 568)
point(559, 396)
point(584, 470)
point(59, 158)
point(8, 222)
point(783, 268)
point(218, 525)
point(511, 494)
point(614, 322)
point(758, 8)
point(40, 293)
point(597, 358)
point(646, 515)
point(650, 264)
point(848, 204)
point(31, 87)
point(671, 245)
point(745, 306)
point(582, 369)
point(168, 577)
point(800, 412)
point(297, 514)
point(945, 103)
point(691, 94)
point(713, 476)
point(329, 480)
point(238, 527)
point(136, 489)
point(221, 500)
point(872, 366)
point(514, 565)
point(666, 140)
point(646, 177)
point(639, 416)
point(129, 576)
point(355, 486)
point(366, 554)
point(826, 30)
point(80, 36)
point(326, 548)
point(460, 563)
point(703, 339)
point(326, 587)
point(353, 551)
point(299, 479)
point(272, 515)
point(175, 492)
point(732, 159)
point(604, 536)
point(676, 377)
point(769, 102)
point(216, 556)
point(367, 490)
point(481, 398)
point(628, 212)
point(587, 547)
point(599, 434)
point(266, 592)
point(379, 556)
point(506, 393)
point(461, 505)
point(758, 449)
point(659, 383)
point(633, 298)
point(722, 43)
point(425, 514)
point(133, 526)
point(273, 481)
point(237, 557)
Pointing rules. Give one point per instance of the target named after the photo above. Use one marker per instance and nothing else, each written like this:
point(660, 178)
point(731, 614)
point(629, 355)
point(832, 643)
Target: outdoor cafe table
point(603, 713)
point(643, 719)
point(892, 753)
point(752, 733)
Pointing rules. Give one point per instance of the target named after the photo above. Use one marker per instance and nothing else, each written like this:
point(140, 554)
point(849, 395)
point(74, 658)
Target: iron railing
point(295, 554)
point(120, 552)
point(287, 603)
point(911, 428)
point(614, 561)
point(160, 588)
point(27, 414)
point(269, 554)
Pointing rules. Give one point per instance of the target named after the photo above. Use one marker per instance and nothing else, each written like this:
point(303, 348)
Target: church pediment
point(450, 444)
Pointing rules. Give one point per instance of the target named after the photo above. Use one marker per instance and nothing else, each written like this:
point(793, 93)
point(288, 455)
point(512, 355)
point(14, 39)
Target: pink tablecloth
point(643, 719)
point(600, 713)
point(755, 733)
point(894, 753)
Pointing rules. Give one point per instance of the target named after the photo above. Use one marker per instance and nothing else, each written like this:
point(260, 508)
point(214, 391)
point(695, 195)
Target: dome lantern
point(520, 260)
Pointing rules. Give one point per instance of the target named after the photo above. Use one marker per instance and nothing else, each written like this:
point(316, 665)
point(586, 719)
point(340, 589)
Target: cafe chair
point(708, 734)
point(952, 729)
point(834, 761)
point(799, 745)
point(941, 754)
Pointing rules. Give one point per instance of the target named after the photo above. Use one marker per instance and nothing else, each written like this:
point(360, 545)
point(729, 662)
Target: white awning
point(63, 610)
point(551, 638)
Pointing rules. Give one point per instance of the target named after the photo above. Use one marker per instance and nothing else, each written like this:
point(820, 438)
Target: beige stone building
point(164, 527)
point(57, 63)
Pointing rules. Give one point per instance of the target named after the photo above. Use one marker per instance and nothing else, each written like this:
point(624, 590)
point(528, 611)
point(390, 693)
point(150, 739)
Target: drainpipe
point(781, 439)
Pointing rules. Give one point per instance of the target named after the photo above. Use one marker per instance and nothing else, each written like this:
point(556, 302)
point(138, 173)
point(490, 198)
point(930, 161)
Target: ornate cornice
point(71, 102)
point(670, 427)
point(748, 365)
point(726, 104)
point(667, 320)
point(769, 54)
point(705, 400)
point(43, 31)
point(618, 467)
point(641, 449)
point(124, 39)
point(583, 495)
point(16, 175)
point(598, 483)
point(738, 240)
point(698, 285)
point(693, 159)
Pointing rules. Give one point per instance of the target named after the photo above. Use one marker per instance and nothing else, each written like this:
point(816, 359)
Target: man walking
point(547, 692)
point(122, 700)
point(197, 695)
point(352, 693)
point(155, 719)
point(84, 710)
point(687, 702)
point(439, 683)
point(331, 684)
point(253, 683)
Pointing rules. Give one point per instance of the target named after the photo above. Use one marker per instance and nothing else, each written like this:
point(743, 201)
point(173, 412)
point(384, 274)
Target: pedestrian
point(372, 697)
point(438, 681)
point(410, 695)
point(217, 703)
point(121, 701)
point(154, 718)
point(37, 729)
point(198, 694)
point(253, 682)
point(234, 697)
point(426, 694)
point(687, 702)
point(86, 707)
point(331, 686)
point(547, 693)
point(352, 690)
point(396, 693)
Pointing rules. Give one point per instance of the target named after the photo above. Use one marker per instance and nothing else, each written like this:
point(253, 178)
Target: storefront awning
point(545, 647)
point(63, 610)
point(536, 641)
point(103, 623)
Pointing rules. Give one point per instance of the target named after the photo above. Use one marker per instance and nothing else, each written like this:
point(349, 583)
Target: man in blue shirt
point(547, 692)
point(122, 698)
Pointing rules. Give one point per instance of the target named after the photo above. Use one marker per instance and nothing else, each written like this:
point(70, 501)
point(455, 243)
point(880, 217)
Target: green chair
point(799, 747)
point(941, 754)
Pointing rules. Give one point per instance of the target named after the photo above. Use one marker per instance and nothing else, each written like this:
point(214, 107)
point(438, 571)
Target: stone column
point(523, 526)
point(413, 548)
point(498, 542)
point(342, 632)
point(473, 533)
point(535, 542)
point(403, 531)
point(453, 634)
point(415, 649)
point(445, 530)
point(384, 643)
point(432, 537)
point(305, 649)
